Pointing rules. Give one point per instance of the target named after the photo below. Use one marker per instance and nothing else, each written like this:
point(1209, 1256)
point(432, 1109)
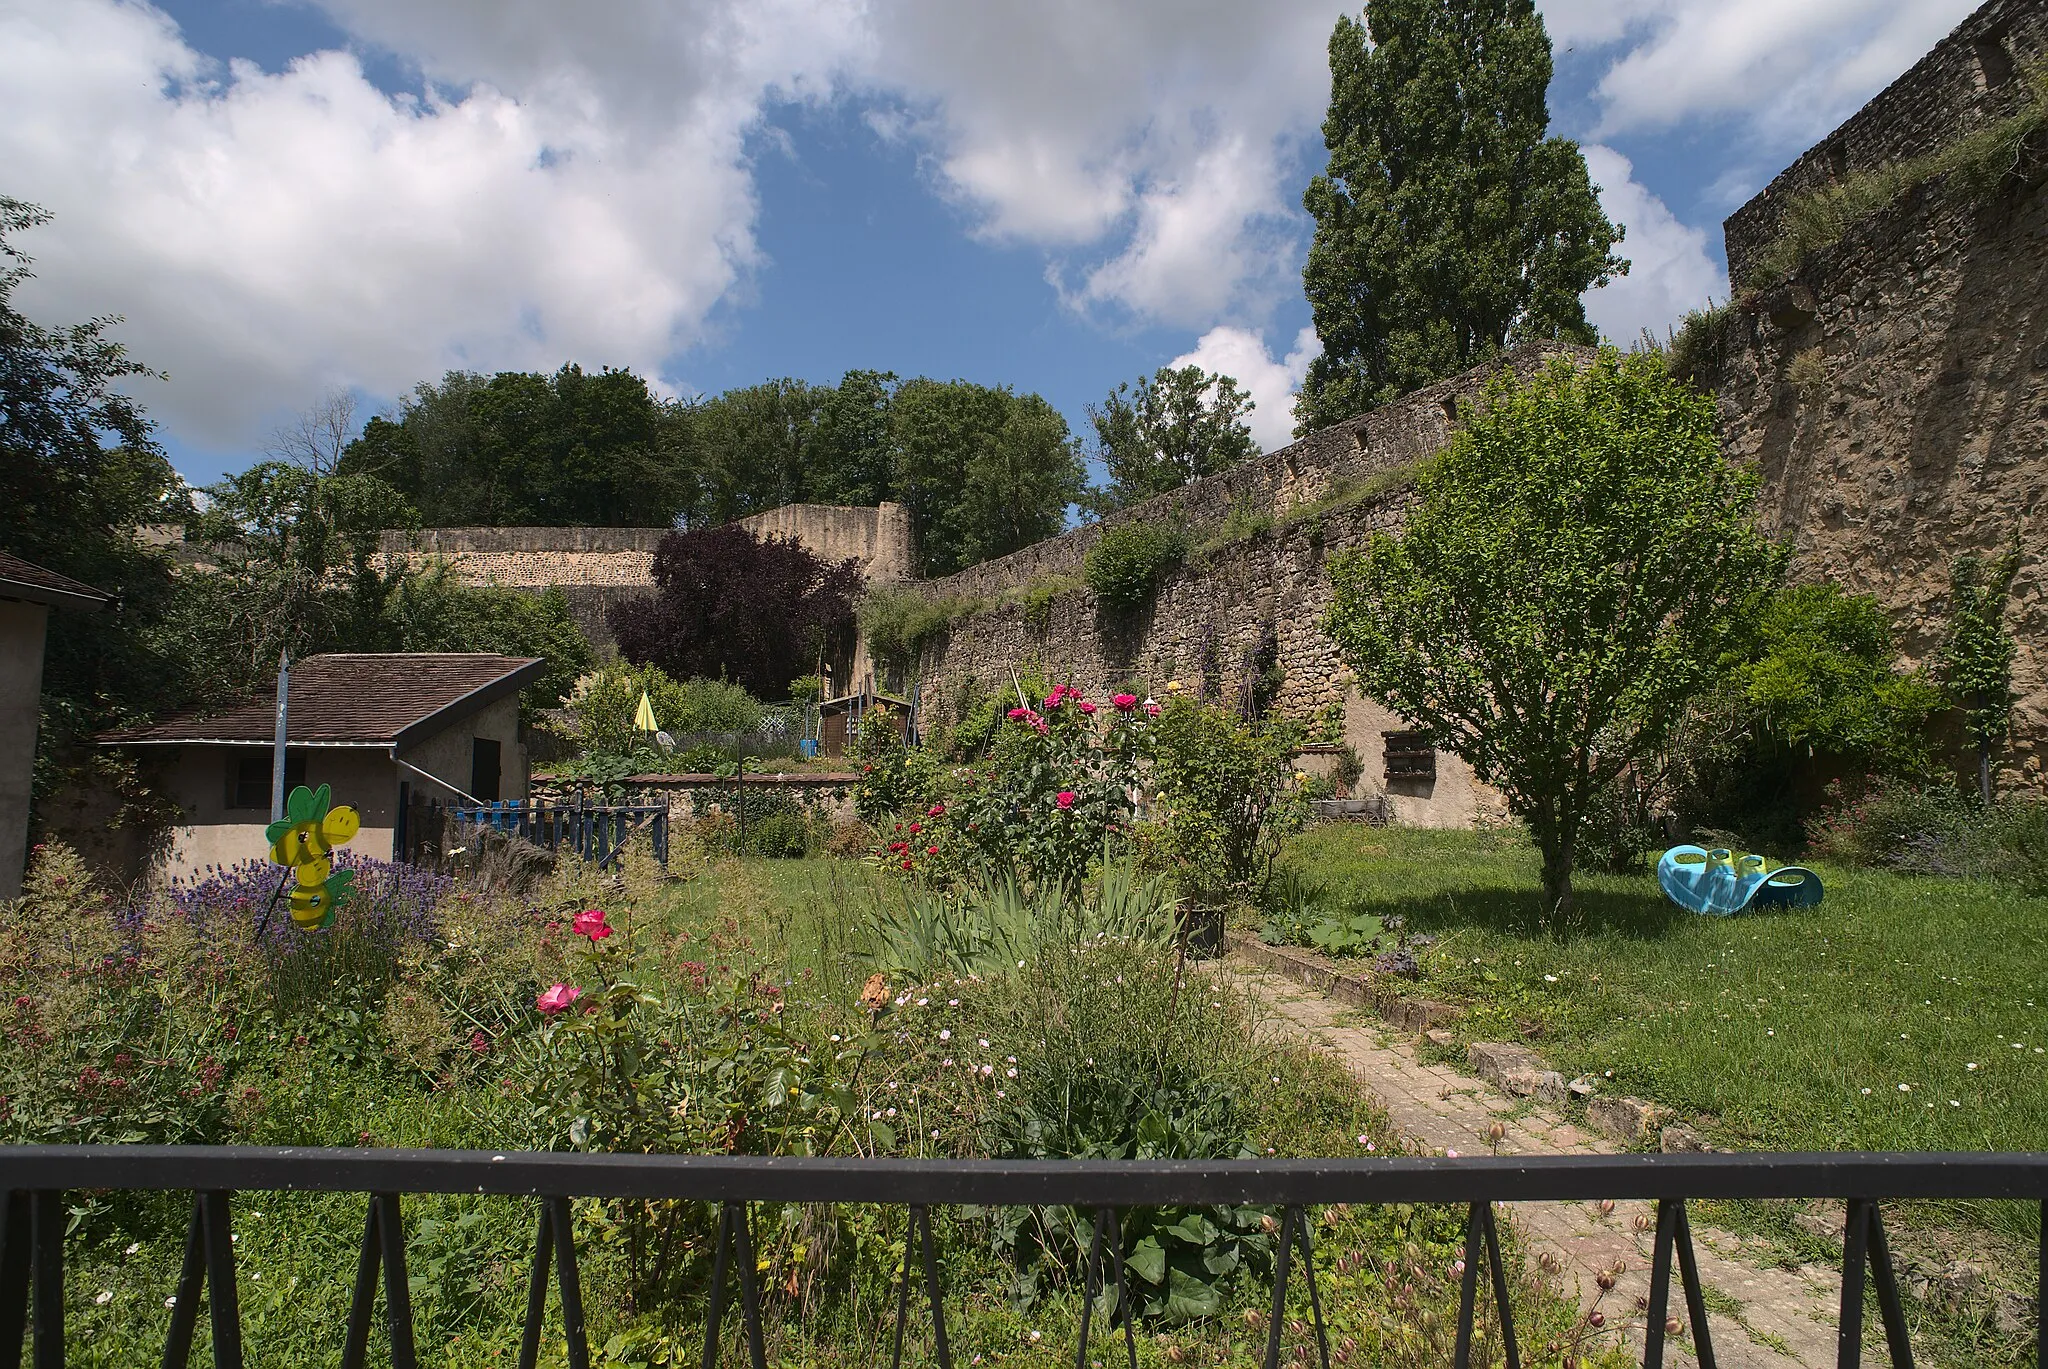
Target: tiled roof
point(21, 579)
point(361, 699)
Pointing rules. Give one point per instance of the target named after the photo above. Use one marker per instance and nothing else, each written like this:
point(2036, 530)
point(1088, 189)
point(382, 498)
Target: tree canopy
point(1579, 563)
point(1449, 226)
point(1176, 425)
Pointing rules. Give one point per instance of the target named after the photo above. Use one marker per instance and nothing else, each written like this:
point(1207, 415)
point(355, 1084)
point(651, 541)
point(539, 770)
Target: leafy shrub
point(894, 777)
point(898, 621)
point(605, 701)
point(1126, 565)
point(1934, 829)
point(1223, 800)
point(986, 930)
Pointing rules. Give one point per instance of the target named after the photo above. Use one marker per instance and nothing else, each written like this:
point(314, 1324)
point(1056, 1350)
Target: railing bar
point(14, 1276)
point(717, 1309)
point(1695, 1295)
point(1849, 1331)
point(1123, 1292)
point(750, 1294)
point(1500, 1290)
point(1315, 1302)
point(931, 1288)
point(569, 1281)
point(397, 1284)
point(536, 1292)
point(1660, 1284)
point(903, 1288)
point(222, 1304)
point(46, 1251)
point(1091, 1276)
point(1881, 1274)
point(355, 1345)
point(2041, 1294)
point(1281, 1269)
point(1468, 1291)
point(185, 1301)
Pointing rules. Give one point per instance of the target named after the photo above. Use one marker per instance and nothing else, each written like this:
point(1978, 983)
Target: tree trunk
point(1559, 851)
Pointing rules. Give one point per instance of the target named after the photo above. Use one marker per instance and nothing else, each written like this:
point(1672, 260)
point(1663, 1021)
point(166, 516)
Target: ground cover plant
point(1904, 1013)
point(755, 1007)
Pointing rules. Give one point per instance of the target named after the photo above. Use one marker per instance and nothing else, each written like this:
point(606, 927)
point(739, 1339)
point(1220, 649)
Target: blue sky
point(284, 199)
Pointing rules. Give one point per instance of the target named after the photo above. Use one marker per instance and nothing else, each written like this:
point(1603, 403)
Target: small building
point(839, 719)
point(377, 728)
point(27, 594)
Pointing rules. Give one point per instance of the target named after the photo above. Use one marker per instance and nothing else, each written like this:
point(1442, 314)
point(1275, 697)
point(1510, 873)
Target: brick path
point(1784, 1318)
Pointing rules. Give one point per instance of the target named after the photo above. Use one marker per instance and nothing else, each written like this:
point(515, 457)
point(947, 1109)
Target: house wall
point(447, 753)
point(21, 683)
point(211, 833)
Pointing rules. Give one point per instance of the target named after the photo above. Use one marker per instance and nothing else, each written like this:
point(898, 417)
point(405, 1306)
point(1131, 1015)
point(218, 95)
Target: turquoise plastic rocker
point(1719, 882)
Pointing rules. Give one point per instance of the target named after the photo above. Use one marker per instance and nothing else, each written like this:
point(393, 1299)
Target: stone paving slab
point(1786, 1318)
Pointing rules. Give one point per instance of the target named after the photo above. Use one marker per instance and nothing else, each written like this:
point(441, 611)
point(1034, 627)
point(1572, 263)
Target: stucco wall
point(196, 779)
point(21, 683)
point(447, 753)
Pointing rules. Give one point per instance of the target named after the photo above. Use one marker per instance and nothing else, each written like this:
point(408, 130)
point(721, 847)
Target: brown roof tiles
point(357, 699)
point(26, 580)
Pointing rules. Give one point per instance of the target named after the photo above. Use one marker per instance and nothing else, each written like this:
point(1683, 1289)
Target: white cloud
point(1670, 268)
point(1242, 355)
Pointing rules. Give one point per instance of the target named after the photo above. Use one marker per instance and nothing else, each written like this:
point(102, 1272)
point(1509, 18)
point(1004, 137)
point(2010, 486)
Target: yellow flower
point(1173, 686)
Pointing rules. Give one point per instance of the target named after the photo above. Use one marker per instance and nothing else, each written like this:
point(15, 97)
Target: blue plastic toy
point(1720, 882)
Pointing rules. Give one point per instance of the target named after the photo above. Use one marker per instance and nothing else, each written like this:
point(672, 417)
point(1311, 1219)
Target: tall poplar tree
point(1449, 227)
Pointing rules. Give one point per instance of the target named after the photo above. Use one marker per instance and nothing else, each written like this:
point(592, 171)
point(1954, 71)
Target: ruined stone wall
point(1207, 622)
point(1894, 396)
point(596, 567)
point(1968, 79)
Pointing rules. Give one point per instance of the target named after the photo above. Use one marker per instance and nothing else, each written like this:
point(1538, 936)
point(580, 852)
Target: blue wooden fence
point(595, 832)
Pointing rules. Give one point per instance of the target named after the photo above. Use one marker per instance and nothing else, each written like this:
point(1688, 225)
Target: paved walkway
point(1775, 1319)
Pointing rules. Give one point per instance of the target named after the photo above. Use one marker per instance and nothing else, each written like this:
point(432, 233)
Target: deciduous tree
point(1449, 226)
point(1579, 561)
point(1173, 426)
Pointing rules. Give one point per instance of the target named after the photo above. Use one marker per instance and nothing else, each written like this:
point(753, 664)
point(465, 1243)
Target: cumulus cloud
point(1242, 355)
point(1670, 268)
point(272, 235)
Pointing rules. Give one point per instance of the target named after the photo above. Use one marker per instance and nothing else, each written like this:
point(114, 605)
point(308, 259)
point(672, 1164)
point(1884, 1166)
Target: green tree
point(753, 448)
point(983, 470)
point(430, 610)
point(1173, 426)
point(517, 448)
point(1976, 660)
point(80, 475)
point(1449, 226)
point(1579, 562)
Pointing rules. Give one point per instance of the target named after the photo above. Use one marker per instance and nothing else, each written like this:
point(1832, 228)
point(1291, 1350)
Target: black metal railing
point(34, 1179)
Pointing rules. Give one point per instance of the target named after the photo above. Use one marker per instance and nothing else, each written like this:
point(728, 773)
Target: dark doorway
point(483, 769)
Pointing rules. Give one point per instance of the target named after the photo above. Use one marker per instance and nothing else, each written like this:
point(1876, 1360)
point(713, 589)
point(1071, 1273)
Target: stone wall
point(596, 567)
point(1894, 392)
point(1969, 78)
point(1207, 623)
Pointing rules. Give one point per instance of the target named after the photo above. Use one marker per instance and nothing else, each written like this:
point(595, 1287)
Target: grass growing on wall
point(1974, 166)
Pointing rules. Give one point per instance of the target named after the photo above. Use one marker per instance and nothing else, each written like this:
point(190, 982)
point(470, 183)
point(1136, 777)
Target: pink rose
point(1065, 798)
point(937, 810)
point(553, 1000)
point(931, 850)
point(590, 922)
point(1018, 714)
point(1151, 710)
point(1087, 709)
point(1125, 702)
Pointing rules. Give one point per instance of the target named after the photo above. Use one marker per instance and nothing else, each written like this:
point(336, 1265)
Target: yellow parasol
point(643, 716)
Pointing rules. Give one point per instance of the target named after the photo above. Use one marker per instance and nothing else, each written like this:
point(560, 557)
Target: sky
point(288, 198)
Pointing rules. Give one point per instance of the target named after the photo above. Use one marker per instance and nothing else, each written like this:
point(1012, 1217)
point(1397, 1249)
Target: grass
point(1786, 1031)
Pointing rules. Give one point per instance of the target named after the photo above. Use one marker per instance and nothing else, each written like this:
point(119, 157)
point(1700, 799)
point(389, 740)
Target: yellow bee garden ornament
point(305, 839)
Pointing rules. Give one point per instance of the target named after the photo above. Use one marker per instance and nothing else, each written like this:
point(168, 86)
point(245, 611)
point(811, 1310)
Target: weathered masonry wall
point(1206, 625)
point(1970, 78)
point(595, 567)
point(1894, 391)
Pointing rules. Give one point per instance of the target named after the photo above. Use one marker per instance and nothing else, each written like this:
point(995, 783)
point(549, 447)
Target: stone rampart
point(1968, 79)
point(1894, 396)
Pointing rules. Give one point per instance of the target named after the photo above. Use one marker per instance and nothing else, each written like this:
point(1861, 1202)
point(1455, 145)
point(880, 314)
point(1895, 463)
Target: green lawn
point(1901, 1014)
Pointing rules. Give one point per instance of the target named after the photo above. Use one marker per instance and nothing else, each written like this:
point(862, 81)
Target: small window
point(483, 768)
point(249, 777)
point(1409, 756)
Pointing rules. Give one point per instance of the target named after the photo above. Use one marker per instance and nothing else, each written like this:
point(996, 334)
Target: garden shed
point(27, 594)
point(375, 727)
point(839, 719)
